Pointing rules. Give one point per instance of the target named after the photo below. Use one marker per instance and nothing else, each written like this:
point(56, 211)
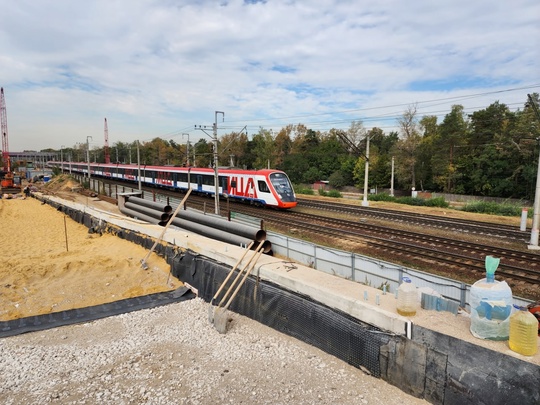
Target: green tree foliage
point(263, 149)
point(336, 180)
point(492, 152)
point(232, 150)
point(448, 146)
point(430, 136)
point(406, 149)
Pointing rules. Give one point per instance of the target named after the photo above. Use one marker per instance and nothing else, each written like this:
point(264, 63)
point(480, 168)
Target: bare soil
point(51, 263)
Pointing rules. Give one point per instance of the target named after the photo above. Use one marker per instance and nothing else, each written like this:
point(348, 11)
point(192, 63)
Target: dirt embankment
point(51, 263)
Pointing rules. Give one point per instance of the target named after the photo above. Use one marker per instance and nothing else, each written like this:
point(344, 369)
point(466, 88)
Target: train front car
point(282, 189)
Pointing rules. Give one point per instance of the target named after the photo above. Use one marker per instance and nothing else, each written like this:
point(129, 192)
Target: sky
point(159, 68)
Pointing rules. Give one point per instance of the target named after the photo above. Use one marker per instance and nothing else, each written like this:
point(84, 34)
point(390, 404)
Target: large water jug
point(523, 332)
point(491, 305)
point(407, 299)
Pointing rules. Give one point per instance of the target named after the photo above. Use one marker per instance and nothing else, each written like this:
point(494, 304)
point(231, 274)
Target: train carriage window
point(263, 187)
point(208, 180)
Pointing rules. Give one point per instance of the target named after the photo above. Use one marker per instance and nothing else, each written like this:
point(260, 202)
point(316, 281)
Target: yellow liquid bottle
point(407, 300)
point(523, 333)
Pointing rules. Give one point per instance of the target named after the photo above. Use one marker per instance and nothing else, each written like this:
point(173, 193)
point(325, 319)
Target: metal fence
point(369, 271)
point(352, 266)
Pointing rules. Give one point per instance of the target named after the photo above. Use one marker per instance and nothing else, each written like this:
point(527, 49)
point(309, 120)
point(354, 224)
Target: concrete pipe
point(210, 232)
point(160, 215)
point(150, 204)
point(267, 246)
point(139, 215)
point(250, 232)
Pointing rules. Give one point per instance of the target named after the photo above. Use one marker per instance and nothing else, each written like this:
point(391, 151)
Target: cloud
point(158, 67)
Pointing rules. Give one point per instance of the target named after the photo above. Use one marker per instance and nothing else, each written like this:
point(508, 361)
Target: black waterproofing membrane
point(299, 316)
point(439, 368)
point(73, 316)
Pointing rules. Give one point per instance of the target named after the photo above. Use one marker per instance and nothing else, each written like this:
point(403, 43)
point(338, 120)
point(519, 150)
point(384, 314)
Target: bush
point(491, 208)
point(432, 202)
point(381, 197)
point(437, 202)
point(410, 201)
point(337, 180)
point(298, 189)
point(334, 194)
point(331, 193)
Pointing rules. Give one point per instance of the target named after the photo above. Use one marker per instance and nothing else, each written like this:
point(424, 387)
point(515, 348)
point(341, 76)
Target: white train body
point(260, 187)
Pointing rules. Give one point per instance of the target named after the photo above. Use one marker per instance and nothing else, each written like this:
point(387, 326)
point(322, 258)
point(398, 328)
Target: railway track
point(432, 221)
point(446, 250)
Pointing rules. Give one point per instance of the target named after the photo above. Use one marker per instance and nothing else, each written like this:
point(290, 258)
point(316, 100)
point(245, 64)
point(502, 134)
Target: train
point(265, 188)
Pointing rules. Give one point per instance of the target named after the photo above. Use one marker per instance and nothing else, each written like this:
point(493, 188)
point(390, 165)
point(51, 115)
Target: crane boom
point(4, 129)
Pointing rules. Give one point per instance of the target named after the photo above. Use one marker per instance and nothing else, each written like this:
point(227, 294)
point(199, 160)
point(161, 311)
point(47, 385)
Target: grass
point(478, 207)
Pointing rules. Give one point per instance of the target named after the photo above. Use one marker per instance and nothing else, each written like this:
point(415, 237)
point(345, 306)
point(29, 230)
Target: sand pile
point(50, 263)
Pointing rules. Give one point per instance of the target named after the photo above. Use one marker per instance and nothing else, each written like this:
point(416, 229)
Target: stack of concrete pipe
point(194, 221)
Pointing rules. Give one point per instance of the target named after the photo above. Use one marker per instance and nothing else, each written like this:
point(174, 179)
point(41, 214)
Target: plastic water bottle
point(491, 308)
point(407, 300)
point(523, 332)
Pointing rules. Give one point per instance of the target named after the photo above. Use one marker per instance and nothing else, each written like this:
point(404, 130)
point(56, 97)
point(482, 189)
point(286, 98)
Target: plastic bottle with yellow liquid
point(523, 332)
point(407, 299)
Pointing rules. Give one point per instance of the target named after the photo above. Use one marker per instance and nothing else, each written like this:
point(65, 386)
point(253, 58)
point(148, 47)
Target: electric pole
point(88, 159)
point(106, 149)
point(187, 148)
point(215, 139)
point(365, 202)
point(536, 215)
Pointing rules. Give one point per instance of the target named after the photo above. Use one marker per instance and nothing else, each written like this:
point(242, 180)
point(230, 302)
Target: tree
point(330, 153)
point(430, 129)
point(484, 166)
point(405, 149)
point(450, 146)
point(233, 148)
point(283, 146)
point(263, 149)
point(203, 154)
point(337, 180)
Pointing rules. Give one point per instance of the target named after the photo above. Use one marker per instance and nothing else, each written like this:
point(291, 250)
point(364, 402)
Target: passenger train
point(271, 188)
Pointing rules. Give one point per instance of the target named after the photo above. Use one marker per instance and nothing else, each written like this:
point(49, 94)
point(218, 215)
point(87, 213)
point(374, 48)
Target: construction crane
point(6, 175)
point(107, 154)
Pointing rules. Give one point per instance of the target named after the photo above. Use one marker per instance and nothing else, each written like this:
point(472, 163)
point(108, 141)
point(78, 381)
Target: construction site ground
point(164, 355)
point(51, 263)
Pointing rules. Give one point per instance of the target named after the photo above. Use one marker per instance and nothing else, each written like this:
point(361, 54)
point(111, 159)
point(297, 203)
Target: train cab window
point(283, 186)
point(263, 187)
point(233, 183)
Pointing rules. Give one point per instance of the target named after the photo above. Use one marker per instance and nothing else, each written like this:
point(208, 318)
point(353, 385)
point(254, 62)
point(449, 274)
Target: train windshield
point(283, 187)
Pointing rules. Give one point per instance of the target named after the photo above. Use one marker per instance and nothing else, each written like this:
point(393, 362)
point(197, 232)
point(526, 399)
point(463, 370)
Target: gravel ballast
point(174, 355)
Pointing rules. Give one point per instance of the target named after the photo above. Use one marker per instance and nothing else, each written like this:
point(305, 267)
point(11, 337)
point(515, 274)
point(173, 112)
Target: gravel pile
point(174, 355)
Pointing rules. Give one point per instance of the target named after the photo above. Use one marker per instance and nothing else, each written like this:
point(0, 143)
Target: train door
point(199, 182)
point(224, 184)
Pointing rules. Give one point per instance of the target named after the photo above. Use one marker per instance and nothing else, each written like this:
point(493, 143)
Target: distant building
point(321, 184)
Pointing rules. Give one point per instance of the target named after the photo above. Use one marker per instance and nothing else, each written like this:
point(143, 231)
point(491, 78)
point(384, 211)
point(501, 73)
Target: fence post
point(353, 264)
point(463, 295)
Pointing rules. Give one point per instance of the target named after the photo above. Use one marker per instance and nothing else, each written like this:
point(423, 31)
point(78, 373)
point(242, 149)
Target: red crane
point(5, 145)
point(6, 177)
point(107, 154)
